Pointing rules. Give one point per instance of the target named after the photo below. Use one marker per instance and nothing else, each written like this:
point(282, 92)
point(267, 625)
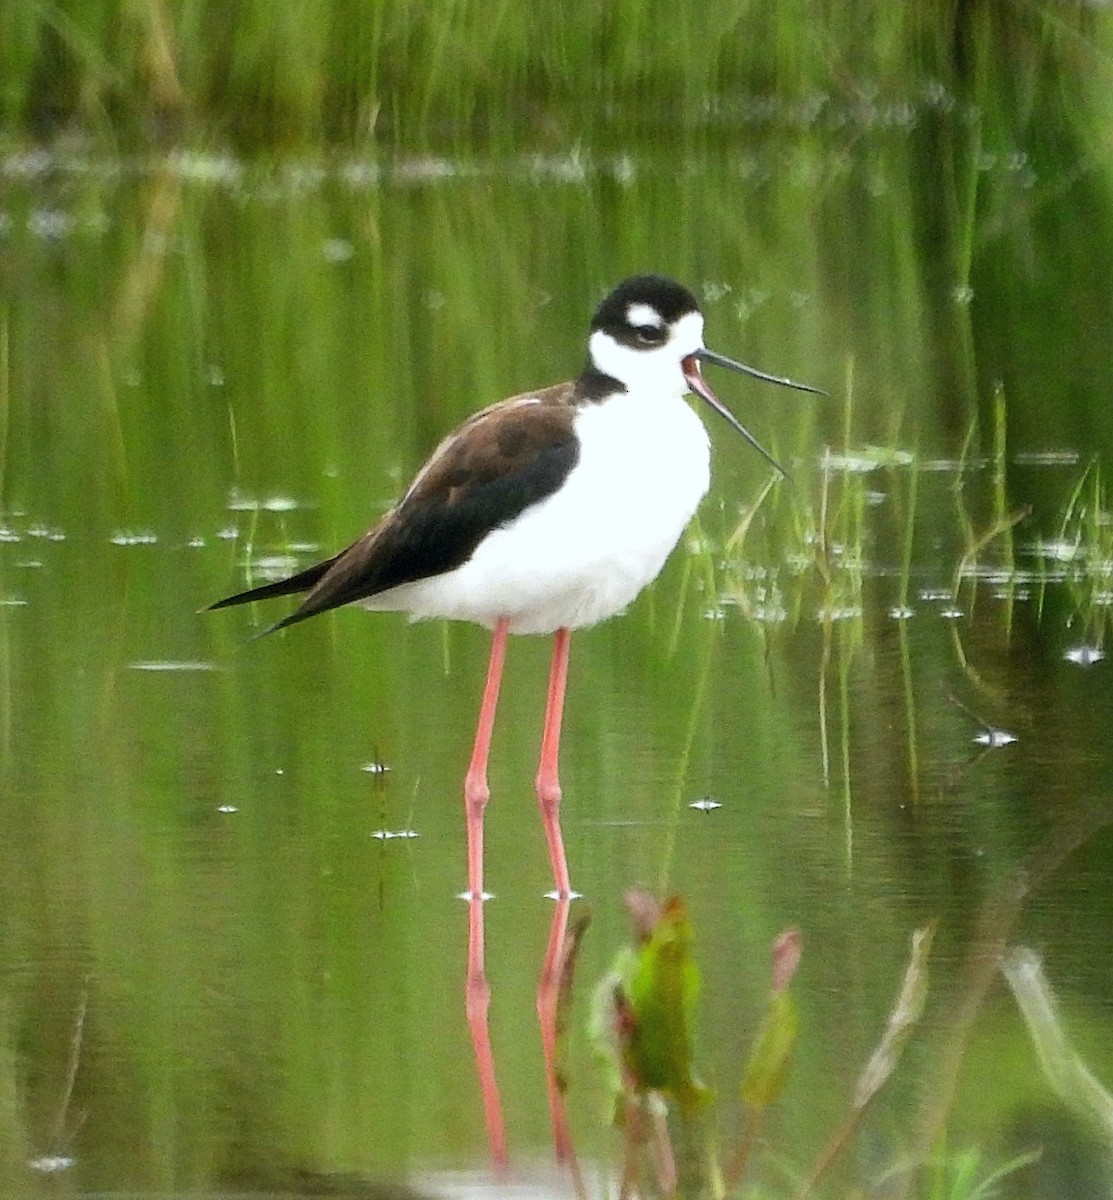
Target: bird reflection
point(553, 998)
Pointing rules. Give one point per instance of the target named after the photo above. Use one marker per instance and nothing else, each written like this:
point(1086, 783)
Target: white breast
point(584, 553)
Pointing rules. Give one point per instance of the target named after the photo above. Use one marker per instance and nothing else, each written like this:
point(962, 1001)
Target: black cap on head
point(660, 293)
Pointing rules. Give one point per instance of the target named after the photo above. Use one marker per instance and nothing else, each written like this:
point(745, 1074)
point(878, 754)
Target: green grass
point(266, 73)
point(243, 358)
point(1080, 556)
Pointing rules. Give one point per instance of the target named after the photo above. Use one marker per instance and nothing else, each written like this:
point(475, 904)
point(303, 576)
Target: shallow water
point(233, 952)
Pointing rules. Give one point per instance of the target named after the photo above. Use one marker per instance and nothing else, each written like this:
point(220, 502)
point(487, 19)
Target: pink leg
point(477, 996)
point(548, 781)
point(548, 1012)
point(476, 791)
point(477, 1000)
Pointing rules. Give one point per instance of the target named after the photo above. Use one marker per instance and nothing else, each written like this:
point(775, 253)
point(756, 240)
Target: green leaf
point(610, 1022)
point(662, 993)
point(771, 1055)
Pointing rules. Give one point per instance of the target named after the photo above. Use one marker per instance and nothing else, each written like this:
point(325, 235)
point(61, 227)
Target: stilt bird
point(544, 513)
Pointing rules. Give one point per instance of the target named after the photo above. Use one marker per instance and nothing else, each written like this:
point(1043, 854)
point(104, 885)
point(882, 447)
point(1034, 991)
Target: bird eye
point(649, 335)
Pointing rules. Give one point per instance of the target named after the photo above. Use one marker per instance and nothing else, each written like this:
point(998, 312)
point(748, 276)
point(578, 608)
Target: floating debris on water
point(272, 566)
point(1058, 550)
point(359, 173)
point(953, 466)
point(51, 1164)
point(337, 250)
point(1085, 656)
point(1047, 458)
point(985, 573)
point(426, 170)
point(238, 502)
point(171, 665)
point(140, 538)
point(844, 612)
point(50, 224)
point(565, 168)
point(206, 168)
point(869, 458)
point(995, 738)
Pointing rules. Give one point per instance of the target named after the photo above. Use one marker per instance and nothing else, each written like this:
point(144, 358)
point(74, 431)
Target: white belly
point(584, 553)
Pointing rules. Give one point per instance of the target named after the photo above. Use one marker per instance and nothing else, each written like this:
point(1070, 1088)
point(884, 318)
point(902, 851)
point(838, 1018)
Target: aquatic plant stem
point(5, 401)
point(911, 736)
point(703, 673)
point(824, 734)
point(844, 722)
point(1001, 500)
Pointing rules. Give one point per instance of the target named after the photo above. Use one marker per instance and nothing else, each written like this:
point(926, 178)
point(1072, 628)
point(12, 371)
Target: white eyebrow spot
point(643, 314)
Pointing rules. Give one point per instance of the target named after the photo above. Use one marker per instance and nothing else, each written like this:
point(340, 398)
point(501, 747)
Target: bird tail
point(301, 582)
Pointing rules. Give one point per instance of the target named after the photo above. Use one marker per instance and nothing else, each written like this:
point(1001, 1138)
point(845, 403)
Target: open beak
point(696, 381)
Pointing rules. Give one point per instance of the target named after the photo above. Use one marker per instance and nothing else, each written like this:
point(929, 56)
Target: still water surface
point(231, 948)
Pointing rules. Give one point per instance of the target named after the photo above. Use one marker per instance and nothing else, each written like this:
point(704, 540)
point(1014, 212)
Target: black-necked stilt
point(544, 513)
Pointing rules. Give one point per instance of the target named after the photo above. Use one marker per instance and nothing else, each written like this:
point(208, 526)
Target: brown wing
point(495, 466)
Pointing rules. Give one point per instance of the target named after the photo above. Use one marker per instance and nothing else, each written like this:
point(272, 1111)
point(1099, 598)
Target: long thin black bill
point(721, 360)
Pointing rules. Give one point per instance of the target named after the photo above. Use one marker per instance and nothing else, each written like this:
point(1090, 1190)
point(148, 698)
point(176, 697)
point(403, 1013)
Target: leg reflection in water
point(553, 1001)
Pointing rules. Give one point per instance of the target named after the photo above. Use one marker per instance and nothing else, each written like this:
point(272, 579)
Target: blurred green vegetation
point(207, 361)
point(266, 72)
